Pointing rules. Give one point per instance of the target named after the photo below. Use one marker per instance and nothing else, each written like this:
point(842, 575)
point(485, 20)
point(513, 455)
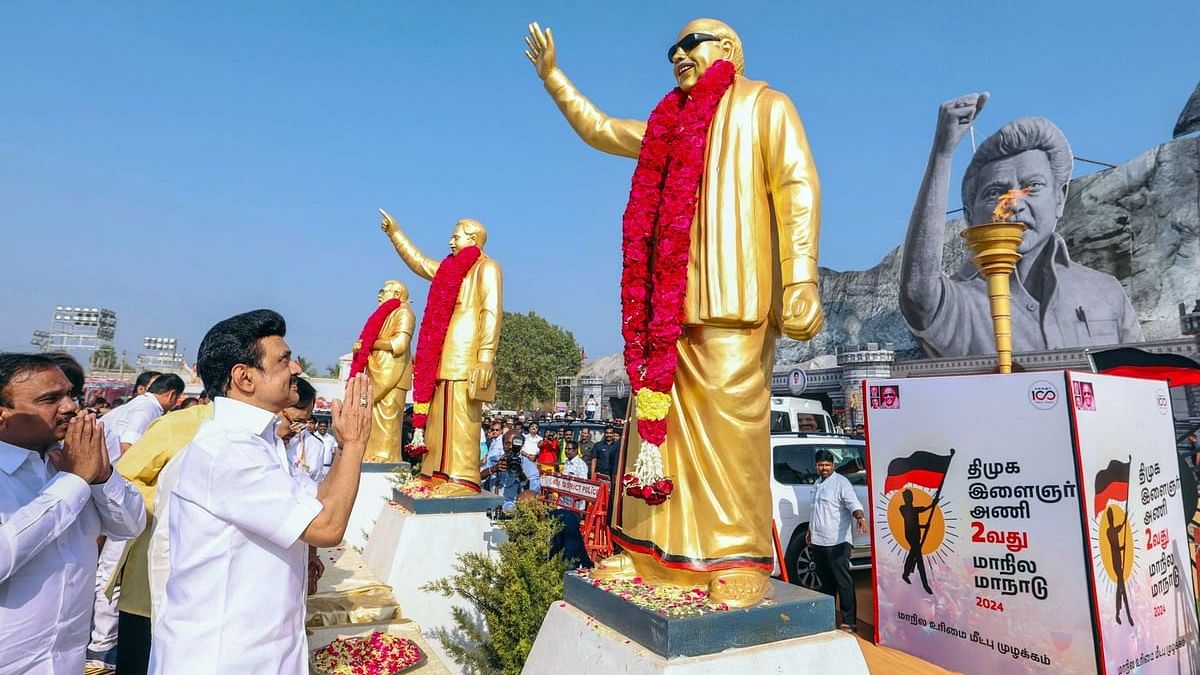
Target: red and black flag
point(1112, 484)
point(1130, 362)
point(920, 468)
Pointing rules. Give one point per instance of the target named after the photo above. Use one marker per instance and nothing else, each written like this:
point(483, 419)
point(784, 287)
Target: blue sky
point(180, 163)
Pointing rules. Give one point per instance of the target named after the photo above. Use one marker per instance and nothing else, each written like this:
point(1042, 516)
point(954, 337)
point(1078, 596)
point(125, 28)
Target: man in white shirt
point(490, 471)
point(240, 524)
point(326, 436)
point(306, 453)
point(55, 500)
point(575, 466)
point(123, 426)
point(829, 535)
point(532, 438)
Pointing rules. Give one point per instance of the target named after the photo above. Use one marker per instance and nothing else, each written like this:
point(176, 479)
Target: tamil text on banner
point(978, 543)
point(1129, 474)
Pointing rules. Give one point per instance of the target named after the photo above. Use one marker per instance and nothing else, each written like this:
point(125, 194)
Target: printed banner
point(1129, 475)
point(980, 553)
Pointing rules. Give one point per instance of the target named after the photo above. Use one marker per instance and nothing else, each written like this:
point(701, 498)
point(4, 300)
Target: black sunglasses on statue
point(689, 42)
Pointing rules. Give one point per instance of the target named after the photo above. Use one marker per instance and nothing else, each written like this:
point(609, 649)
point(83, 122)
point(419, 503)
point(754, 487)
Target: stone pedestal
point(374, 490)
point(570, 641)
point(595, 631)
point(407, 550)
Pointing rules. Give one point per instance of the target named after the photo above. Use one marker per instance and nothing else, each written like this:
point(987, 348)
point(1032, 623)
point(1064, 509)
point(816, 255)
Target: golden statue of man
point(390, 368)
point(751, 273)
point(464, 373)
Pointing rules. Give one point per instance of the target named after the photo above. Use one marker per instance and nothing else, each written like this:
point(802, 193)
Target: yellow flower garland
point(652, 405)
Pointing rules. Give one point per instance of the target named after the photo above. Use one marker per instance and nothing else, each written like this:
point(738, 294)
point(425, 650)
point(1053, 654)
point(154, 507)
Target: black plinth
point(484, 501)
point(792, 612)
point(386, 467)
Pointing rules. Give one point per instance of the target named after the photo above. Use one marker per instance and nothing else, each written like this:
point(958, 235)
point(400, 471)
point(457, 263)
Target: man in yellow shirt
point(141, 465)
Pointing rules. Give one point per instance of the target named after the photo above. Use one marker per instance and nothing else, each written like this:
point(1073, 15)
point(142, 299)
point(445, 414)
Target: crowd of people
point(514, 453)
point(134, 535)
point(140, 538)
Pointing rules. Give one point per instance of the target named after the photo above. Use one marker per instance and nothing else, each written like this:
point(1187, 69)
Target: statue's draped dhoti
point(387, 420)
point(452, 435)
point(718, 453)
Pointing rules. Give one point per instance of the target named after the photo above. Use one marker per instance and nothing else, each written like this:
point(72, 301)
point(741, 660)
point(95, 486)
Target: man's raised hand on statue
point(540, 50)
point(921, 265)
point(409, 253)
point(386, 223)
point(954, 120)
point(802, 315)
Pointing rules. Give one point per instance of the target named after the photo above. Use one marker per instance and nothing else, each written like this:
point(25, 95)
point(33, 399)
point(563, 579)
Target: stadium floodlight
point(77, 327)
point(162, 352)
point(159, 344)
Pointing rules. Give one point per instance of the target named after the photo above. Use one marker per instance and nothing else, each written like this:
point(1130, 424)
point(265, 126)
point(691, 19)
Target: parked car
point(793, 473)
point(795, 413)
point(575, 429)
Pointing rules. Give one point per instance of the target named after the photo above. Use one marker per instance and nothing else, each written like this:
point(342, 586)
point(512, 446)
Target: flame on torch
point(1004, 210)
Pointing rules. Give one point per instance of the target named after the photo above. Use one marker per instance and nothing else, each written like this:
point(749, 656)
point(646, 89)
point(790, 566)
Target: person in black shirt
point(604, 454)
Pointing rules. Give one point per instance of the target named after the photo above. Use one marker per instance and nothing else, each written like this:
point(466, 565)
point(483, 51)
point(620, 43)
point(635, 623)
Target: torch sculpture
point(995, 247)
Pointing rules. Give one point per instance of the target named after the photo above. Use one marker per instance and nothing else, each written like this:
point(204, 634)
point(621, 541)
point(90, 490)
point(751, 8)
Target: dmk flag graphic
point(922, 468)
point(1112, 484)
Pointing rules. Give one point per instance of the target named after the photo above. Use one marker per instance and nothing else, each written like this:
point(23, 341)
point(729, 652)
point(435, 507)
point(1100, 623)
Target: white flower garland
point(649, 465)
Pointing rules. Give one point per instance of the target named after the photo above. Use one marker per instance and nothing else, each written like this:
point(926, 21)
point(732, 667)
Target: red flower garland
point(657, 235)
point(370, 333)
point(439, 307)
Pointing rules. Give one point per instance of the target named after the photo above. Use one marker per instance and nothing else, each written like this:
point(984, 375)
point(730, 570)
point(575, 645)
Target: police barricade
point(589, 498)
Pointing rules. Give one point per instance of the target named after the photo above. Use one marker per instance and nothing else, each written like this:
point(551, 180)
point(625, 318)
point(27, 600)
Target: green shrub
point(511, 592)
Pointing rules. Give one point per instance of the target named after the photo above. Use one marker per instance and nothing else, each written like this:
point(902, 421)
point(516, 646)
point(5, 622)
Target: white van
point(793, 473)
point(792, 413)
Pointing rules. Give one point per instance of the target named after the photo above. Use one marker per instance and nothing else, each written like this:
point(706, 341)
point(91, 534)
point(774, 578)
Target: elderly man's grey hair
point(1026, 133)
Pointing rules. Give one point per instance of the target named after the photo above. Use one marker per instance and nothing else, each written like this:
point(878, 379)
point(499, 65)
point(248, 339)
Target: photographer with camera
point(494, 464)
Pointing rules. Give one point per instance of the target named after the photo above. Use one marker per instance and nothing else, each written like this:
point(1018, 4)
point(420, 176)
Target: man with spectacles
point(751, 274)
point(491, 469)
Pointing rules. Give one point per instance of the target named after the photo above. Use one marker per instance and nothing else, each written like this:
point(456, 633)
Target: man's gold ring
point(363, 401)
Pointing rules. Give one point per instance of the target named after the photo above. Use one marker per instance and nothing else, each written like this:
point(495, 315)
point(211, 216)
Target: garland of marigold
point(439, 307)
point(656, 235)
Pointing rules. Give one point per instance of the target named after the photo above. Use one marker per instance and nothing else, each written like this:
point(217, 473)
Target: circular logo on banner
point(1163, 402)
point(1043, 395)
point(934, 531)
point(797, 382)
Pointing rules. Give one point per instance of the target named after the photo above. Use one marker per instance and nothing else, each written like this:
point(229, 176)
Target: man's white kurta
point(834, 504)
point(126, 423)
point(308, 454)
point(238, 569)
point(49, 522)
